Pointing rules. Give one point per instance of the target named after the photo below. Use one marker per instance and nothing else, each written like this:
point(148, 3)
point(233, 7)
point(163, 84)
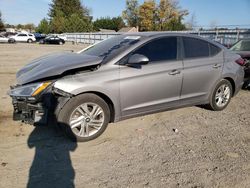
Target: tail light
point(240, 62)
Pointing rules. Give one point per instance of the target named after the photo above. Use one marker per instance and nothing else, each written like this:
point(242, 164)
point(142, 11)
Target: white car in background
point(24, 37)
point(4, 39)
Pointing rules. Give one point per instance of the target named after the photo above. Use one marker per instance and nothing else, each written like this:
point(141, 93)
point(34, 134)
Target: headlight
point(29, 90)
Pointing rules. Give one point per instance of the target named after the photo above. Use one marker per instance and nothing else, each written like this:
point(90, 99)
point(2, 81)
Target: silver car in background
point(125, 76)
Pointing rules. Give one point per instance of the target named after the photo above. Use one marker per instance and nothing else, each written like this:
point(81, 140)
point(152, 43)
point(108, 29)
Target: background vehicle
point(39, 36)
point(23, 37)
point(243, 49)
point(123, 77)
point(4, 39)
point(52, 40)
point(62, 36)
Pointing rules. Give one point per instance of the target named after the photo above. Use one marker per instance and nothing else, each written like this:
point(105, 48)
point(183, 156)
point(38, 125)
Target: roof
point(158, 33)
point(170, 33)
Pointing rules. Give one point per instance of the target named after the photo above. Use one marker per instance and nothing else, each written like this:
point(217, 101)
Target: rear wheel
point(84, 117)
point(221, 96)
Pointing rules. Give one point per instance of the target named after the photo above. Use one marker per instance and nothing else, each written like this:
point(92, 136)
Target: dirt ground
point(210, 149)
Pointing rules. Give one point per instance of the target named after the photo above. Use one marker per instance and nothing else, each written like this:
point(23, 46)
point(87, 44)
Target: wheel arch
point(232, 83)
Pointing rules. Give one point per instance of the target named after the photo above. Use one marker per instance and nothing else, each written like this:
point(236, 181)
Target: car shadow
point(51, 166)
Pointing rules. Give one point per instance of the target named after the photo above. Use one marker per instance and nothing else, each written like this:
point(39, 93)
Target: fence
point(226, 37)
point(89, 38)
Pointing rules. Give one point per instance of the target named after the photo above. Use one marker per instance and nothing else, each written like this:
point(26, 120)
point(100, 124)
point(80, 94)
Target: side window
point(22, 35)
point(195, 48)
point(162, 49)
point(214, 50)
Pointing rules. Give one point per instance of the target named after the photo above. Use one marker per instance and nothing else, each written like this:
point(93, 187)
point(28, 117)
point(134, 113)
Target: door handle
point(174, 72)
point(216, 66)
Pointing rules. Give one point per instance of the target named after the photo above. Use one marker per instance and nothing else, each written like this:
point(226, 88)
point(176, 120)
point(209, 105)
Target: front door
point(156, 85)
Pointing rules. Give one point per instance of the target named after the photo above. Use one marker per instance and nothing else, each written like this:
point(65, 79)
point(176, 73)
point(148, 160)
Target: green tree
point(76, 24)
point(115, 23)
point(147, 15)
point(175, 24)
point(1, 22)
point(131, 13)
point(58, 22)
point(43, 27)
point(62, 12)
point(68, 7)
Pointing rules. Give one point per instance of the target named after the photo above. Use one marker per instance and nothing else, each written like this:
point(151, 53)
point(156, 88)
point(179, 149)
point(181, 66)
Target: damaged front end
point(34, 98)
point(38, 105)
point(31, 102)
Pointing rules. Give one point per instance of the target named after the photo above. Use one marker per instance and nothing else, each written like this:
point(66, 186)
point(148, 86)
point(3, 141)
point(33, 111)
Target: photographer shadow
point(52, 166)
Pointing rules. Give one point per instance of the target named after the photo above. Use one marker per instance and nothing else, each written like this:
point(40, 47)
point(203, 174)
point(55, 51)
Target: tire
point(78, 110)
point(11, 41)
point(60, 43)
point(246, 84)
point(29, 41)
point(219, 96)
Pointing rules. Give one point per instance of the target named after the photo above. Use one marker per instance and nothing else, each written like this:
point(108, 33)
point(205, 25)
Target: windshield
point(112, 46)
point(243, 45)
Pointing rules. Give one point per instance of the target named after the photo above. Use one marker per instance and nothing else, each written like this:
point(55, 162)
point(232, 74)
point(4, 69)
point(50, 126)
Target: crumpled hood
point(54, 65)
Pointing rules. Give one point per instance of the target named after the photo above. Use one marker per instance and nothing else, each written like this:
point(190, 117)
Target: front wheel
point(84, 117)
point(29, 41)
point(11, 41)
point(221, 96)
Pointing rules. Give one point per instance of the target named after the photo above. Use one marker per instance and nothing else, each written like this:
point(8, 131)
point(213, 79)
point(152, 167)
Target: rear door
point(156, 85)
point(203, 63)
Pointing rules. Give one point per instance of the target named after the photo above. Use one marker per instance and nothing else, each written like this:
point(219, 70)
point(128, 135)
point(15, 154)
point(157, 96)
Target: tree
point(76, 24)
point(115, 23)
point(131, 13)
point(43, 27)
point(147, 16)
point(68, 7)
point(58, 22)
point(29, 27)
point(1, 22)
point(170, 16)
point(62, 13)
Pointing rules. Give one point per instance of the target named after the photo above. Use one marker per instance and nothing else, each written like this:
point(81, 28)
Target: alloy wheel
point(222, 95)
point(86, 120)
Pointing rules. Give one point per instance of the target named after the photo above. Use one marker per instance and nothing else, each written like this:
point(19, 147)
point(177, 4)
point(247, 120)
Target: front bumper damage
point(41, 109)
point(30, 112)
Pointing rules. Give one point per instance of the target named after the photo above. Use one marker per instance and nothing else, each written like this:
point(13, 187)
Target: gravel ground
point(189, 147)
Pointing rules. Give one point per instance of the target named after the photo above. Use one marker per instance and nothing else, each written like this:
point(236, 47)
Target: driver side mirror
point(138, 59)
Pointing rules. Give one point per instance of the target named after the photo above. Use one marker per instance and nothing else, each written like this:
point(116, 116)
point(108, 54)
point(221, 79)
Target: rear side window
point(195, 48)
point(214, 50)
point(162, 49)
